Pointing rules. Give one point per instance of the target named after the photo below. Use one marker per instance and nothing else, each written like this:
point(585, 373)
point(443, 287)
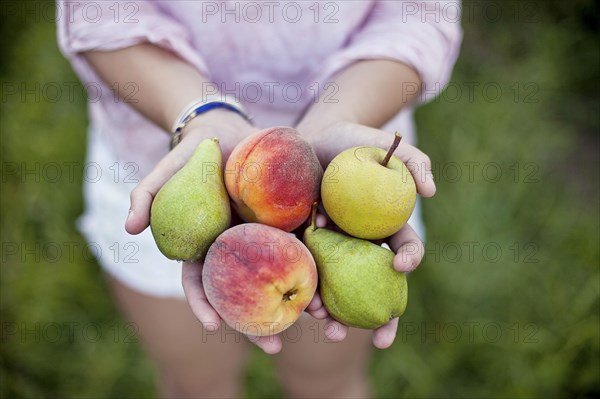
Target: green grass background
point(541, 293)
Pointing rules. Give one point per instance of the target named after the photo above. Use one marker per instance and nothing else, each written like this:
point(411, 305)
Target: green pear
point(357, 281)
point(192, 208)
point(368, 193)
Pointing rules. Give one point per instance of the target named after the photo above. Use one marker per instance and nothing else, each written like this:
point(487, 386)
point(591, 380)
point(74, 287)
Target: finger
point(335, 331)
point(270, 344)
point(383, 337)
point(191, 279)
point(408, 248)
point(316, 308)
point(419, 165)
point(319, 314)
point(142, 195)
point(321, 220)
point(315, 302)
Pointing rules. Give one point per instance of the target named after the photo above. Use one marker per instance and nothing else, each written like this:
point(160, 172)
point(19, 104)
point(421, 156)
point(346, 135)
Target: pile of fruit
point(258, 276)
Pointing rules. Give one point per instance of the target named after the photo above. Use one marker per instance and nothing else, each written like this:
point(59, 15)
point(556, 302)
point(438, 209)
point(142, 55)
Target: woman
point(343, 73)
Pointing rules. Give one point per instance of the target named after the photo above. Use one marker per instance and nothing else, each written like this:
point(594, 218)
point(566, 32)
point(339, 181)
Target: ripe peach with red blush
point(273, 177)
point(259, 278)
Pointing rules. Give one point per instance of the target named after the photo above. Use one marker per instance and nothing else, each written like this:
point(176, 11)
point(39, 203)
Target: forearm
point(165, 84)
point(369, 93)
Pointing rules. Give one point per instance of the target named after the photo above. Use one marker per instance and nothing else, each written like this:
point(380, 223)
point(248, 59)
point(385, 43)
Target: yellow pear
point(368, 192)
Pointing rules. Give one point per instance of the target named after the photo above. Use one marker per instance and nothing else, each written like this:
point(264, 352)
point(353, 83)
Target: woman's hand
point(329, 141)
point(191, 277)
point(230, 128)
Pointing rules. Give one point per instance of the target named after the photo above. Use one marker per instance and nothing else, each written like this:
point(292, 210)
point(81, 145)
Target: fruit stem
point(388, 156)
point(313, 216)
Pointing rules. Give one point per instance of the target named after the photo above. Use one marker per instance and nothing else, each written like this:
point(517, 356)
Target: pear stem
point(313, 216)
point(388, 156)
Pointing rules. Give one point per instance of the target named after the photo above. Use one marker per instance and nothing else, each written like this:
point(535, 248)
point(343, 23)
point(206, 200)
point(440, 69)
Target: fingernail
point(429, 178)
point(404, 260)
point(412, 265)
point(129, 216)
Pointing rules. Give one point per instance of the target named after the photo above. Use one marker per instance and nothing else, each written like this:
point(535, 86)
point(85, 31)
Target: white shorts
point(135, 260)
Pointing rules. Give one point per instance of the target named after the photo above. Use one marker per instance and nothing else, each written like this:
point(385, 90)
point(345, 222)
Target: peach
point(273, 177)
point(258, 278)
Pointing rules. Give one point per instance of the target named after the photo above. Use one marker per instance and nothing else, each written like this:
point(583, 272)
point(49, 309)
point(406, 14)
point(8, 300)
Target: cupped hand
point(329, 141)
point(230, 129)
point(191, 278)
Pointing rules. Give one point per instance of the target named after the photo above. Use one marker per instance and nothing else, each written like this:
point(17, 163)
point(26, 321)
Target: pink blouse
point(274, 56)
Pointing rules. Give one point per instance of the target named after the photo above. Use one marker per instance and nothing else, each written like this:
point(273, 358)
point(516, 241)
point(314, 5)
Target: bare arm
point(370, 93)
point(165, 83)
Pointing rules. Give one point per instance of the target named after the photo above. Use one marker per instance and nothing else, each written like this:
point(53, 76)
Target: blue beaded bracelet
point(200, 107)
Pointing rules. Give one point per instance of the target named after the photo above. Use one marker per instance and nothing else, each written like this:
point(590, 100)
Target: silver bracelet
point(201, 106)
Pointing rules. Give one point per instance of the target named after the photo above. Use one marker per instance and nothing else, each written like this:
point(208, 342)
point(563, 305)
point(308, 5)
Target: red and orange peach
point(258, 278)
point(273, 177)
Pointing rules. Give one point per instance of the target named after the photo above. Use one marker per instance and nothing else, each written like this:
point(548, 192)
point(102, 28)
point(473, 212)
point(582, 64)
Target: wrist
point(218, 122)
point(228, 126)
point(204, 106)
point(319, 119)
point(313, 130)
point(217, 119)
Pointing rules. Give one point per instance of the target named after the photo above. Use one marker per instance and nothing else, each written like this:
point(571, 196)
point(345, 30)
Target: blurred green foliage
point(506, 303)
